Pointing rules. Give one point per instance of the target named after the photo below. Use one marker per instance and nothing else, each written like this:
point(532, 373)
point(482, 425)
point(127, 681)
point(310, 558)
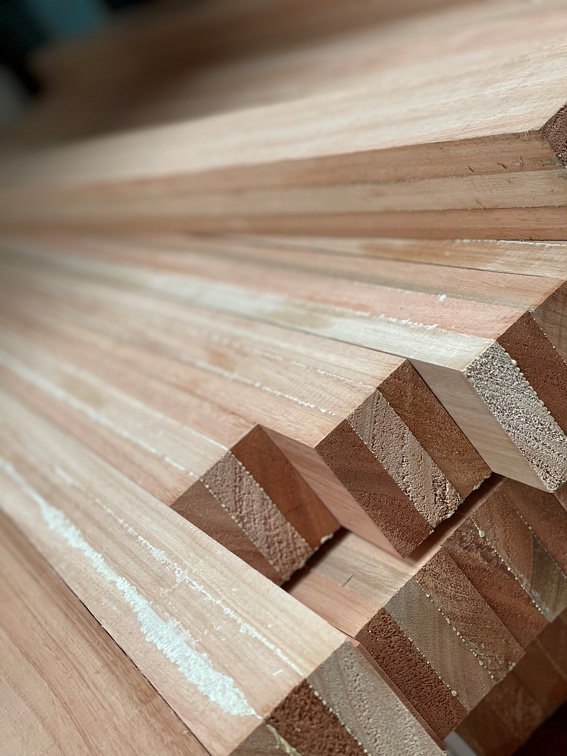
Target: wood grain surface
point(190, 615)
point(424, 622)
point(455, 350)
point(209, 465)
point(505, 560)
point(524, 699)
point(450, 622)
point(348, 418)
point(63, 675)
point(283, 296)
point(341, 157)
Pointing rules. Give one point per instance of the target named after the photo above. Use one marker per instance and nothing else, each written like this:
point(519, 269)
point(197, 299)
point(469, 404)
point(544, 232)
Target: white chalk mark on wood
point(168, 636)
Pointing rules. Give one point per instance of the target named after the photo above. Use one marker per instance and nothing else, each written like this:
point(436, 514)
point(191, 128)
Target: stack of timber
point(460, 138)
point(491, 364)
point(128, 369)
point(361, 427)
point(524, 699)
point(280, 474)
point(216, 640)
point(449, 624)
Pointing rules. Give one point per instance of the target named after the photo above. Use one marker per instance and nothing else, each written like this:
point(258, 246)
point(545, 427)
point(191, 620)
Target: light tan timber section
point(457, 141)
point(240, 662)
point(521, 258)
point(361, 427)
point(536, 340)
point(522, 265)
point(220, 472)
point(66, 687)
point(449, 623)
point(453, 344)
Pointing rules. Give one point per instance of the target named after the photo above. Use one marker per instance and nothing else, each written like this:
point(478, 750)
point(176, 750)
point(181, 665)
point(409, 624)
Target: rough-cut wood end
point(289, 491)
point(200, 507)
point(405, 460)
point(541, 364)
point(486, 733)
point(439, 435)
point(551, 315)
point(274, 529)
point(511, 398)
point(309, 726)
point(366, 704)
point(373, 488)
point(481, 630)
point(390, 472)
point(555, 131)
point(515, 707)
point(545, 515)
point(391, 648)
point(344, 706)
point(487, 570)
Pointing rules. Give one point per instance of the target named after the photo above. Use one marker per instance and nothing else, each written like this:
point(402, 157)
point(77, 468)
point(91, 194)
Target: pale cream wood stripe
point(525, 258)
point(527, 275)
point(406, 264)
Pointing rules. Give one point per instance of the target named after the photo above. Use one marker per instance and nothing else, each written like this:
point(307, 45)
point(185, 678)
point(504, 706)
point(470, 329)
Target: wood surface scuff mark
point(182, 576)
point(167, 636)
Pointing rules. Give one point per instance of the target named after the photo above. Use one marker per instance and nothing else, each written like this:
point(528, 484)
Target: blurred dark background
point(27, 26)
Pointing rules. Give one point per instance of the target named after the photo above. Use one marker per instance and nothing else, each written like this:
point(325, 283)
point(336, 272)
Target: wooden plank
point(524, 699)
point(545, 516)
point(509, 273)
point(535, 340)
point(154, 79)
point(503, 720)
point(470, 258)
point(334, 162)
point(51, 648)
point(413, 264)
point(174, 38)
point(541, 677)
point(561, 496)
point(524, 551)
point(191, 616)
point(526, 258)
point(500, 554)
point(482, 732)
point(216, 470)
point(425, 224)
point(457, 355)
point(553, 641)
point(320, 402)
point(507, 563)
point(423, 622)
